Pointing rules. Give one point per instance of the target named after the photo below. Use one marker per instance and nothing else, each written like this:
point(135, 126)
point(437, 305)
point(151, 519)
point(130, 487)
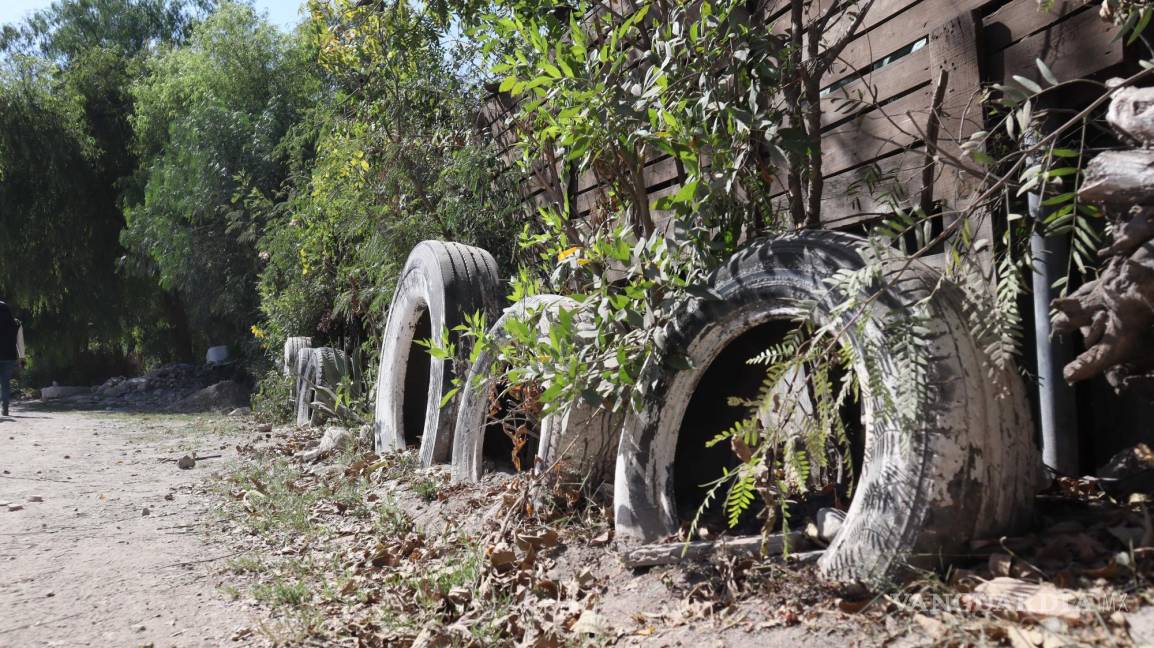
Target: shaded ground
point(86, 566)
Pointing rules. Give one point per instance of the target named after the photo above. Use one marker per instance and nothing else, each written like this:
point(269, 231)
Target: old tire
point(965, 467)
point(292, 346)
point(577, 443)
point(321, 367)
point(290, 367)
point(439, 286)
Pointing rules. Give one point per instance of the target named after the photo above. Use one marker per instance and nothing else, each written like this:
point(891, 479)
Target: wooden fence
point(878, 96)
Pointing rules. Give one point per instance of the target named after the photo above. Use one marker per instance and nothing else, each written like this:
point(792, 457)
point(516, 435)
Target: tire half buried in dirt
point(965, 467)
point(578, 442)
point(321, 367)
point(440, 284)
point(291, 367)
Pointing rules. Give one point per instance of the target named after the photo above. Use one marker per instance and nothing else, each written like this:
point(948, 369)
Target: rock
point(186, 462)
point(592, 623)
point(829, 522)
point(145, 512)
point(241, 411)
point(120, 387)
point(334, 438)
point(12, 508)
point(35, 498)
point(264, 428)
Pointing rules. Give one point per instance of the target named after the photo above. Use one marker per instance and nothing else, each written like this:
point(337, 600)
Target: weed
point(427, 488)
point(280, 593)
point(230, 592)
point(246, 565)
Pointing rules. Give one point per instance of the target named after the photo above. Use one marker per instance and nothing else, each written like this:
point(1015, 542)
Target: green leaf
point(1047, 73)
point(1143, 22)
point(449, 394)
point(1028, 84)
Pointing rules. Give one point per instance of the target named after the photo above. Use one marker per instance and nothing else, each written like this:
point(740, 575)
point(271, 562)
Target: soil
point(82, 563)
point(109, 543)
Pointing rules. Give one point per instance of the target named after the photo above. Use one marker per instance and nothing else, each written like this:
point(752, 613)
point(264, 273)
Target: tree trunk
point(1115, 311)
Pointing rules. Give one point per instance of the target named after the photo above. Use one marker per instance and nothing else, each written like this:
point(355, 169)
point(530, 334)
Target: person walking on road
point(11, 352)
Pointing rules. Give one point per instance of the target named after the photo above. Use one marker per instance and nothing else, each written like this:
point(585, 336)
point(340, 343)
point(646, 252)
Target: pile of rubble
point(174, 387)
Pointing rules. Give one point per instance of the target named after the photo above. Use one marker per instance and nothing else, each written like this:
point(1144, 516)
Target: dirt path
point(87, 566)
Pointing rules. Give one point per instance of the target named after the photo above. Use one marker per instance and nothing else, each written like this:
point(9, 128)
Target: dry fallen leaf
point(1024, 637)
point(592, 623)
point(933, 628)
point(1014, 596)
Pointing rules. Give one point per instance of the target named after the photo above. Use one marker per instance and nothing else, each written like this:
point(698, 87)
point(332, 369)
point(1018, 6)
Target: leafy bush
point(272, 402)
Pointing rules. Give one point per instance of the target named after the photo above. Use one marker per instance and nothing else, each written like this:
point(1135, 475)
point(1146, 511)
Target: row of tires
point(965, 467)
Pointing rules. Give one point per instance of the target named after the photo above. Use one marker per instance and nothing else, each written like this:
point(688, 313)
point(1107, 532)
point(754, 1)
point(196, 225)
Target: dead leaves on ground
point(377, 580)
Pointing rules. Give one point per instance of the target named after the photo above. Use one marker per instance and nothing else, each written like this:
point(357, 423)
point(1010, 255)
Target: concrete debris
point(334, 438)
point(57, 392)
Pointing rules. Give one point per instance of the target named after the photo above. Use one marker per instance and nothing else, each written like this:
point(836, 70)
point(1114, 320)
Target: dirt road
point(101, 542)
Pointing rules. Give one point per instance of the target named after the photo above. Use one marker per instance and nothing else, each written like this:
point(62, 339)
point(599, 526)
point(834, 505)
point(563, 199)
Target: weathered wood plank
point(1022, 18)
point(873, 134)
point(878, 86)
point(955, 47)
point(869, 192)
point(899, 30)
point(1077, 47)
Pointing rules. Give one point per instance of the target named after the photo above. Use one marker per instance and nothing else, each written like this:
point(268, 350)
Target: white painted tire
point(440, 284)
point(321, 367)
point(293, 345)
point(291, 365)
point(965, 468)
point(578, 444)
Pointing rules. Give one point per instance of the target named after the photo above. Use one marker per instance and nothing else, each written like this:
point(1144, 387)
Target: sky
point(283, 13)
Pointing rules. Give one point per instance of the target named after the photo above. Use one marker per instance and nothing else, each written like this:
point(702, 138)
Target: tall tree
point(209, 121)
point(66, 158)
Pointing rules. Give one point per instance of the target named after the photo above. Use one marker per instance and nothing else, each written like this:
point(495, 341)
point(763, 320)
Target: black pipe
point(1056, 405)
